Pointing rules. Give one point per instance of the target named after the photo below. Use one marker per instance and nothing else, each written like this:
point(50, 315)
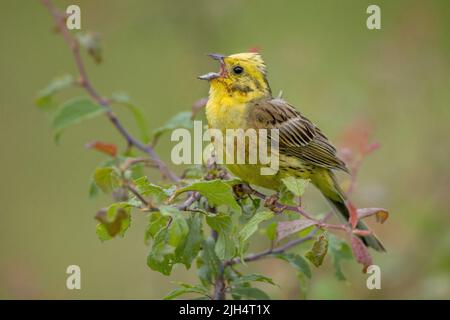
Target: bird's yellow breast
point(224, 112)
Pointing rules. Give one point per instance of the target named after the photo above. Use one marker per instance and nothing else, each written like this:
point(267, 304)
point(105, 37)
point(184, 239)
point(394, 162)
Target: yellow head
point(242, 76)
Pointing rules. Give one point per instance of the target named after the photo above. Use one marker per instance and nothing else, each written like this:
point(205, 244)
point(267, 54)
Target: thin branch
point(281, 249)
point(193, 197)
point(272, 251)
point(279, 208)
point(138, 195)
point(84, 81)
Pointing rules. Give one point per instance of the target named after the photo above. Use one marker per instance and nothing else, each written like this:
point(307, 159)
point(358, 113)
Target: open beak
point(214, 75)
point(209, 76)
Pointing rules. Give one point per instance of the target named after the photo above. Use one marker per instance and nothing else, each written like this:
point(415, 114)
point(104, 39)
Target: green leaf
point(106, 179)
point(139, 118)
point(250, 293)
point(114, 220)
point(156, 222)
point(217, 192)
point(295, 185)
point(190, 248)
point(163, 253)
point(297, 261)
point(250, 228)
point(286, 196)
point(72, 112)
point(339, 251)
point(271, 231)
point(94, 190)
point(158, 193)
point(44, 98)
point(208, 263)
point(180, 120)
point(225, 246)
point(253, 277)
point(318, 251)
point(249, 207)
point(187, 288)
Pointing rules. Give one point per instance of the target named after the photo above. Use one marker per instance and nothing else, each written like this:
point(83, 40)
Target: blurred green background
point(320, 54)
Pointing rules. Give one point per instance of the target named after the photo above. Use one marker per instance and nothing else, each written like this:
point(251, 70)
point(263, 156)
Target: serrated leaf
point(189, 249)
point(106, 179)
point(94, 190)
point(295, 185)
point(339, 250)
point(163, 254)
point(156, 222)
point(217, 192)
point(44, 97)
point(208, 263)
point(249, 207)
point(286, 196)
point(186, 288)
point(72, 112)
point(225, 245)
point(318, 250)
point(250, 228)
point(139, 118)
point(250, 293)
point(253, 278)
point(114, 221)
point(286, 228)
point(146, 188)
point(297, 261)
point(180, 120)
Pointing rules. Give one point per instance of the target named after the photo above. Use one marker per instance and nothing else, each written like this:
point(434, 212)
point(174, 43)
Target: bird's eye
point(238, 70)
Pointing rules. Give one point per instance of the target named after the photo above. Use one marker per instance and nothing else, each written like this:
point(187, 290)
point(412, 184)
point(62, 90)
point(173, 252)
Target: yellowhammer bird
point(240, 98)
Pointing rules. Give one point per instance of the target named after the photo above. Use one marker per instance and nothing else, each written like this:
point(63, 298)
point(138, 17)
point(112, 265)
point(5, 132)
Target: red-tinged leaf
point(362, 233)
point(380, 214)
point(108, 148)
point(286, 228)
point(361, 253)
point(353, 219)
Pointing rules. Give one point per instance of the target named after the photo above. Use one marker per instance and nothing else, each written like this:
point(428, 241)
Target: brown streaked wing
point(298, 137)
